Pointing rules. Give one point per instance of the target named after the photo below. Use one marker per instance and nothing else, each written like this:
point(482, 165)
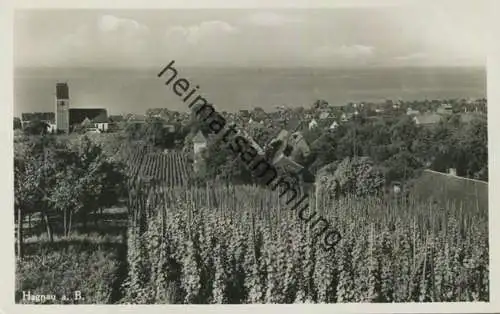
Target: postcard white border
point(7, 222)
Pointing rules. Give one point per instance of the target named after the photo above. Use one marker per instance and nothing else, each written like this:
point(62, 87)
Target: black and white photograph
point(271, 155)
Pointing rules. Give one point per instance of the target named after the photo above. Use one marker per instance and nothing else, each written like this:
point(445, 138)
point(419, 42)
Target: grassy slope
point(90, 262)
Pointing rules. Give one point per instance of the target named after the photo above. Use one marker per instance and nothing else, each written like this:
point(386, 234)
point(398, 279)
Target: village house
point(88, 118)
point(101, 123)
point(298, 142)
point(285, 164)
point(244, 113)
point(346, 117)
point(251, 141)
point(116, 118)
point(199, 144)
point(427, 119)
point(334, 125)
point(452, 172)
point(169, 127)
point(445, 109)
point(86, 123)
point(136, 118)
point(324, 115)
point(282, 136)
point(313, 124)
point(411, 112)
point(292, 145)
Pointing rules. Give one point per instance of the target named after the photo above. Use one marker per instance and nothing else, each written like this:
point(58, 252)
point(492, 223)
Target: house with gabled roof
point(334, 125)
point(200, 143)
point(313, 124)
point(284, 163)
point(445, 109)
point(116, 118)
point(411, 112)
point(427, 119)
point(251, 142)
point(324, 115)
point(292, 145)
point(101, 122)
point(86, 123)
point(299, 144)
point(78, 115)
point(136, 118)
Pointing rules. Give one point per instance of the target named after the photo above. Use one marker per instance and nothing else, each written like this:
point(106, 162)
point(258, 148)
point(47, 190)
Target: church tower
point(62, 107)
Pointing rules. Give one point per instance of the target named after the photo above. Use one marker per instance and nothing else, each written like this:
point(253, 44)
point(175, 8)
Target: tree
point(401, 166)
point(32, 180)
point(134, 131)
point(26, 195)
point(323, 151)
point(260, 135)
point(37, 127)
point(404, 132)
point(51, 175)
point(352, 176)
point(463, 146)
point(470, 149)
point(17, 123)
point(221, 163)
point(87, 184)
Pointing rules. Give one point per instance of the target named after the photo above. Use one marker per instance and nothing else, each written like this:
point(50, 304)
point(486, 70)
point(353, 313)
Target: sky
point(436, 34)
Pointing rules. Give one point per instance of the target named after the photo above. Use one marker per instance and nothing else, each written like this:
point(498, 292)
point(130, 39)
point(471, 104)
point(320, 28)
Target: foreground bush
point(355, 176)
point(88, 267)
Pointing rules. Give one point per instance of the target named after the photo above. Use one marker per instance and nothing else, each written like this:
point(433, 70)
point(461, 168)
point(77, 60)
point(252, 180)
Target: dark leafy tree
point(221, 163)
point(37, 127)
point(17, 123)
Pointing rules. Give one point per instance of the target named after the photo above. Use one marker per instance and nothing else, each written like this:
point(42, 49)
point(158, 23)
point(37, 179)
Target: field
point(89, 261)
point(169, 167)
point(220, 243)
point(238, 244)
point(462, 192)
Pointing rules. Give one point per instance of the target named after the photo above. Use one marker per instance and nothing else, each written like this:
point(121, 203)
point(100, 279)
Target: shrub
point(66, 271)
point(355, 175)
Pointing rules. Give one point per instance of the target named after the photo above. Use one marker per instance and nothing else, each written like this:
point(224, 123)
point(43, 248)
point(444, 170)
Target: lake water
point(135, 90)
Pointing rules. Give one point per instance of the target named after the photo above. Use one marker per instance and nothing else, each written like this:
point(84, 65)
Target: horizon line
point(251, 66)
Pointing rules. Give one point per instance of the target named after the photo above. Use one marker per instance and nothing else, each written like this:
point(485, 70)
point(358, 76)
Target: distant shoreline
point(123, 89)
point(251, 67)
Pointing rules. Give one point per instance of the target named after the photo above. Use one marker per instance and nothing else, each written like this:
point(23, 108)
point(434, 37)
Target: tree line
point(62, 183)
point(396, 146)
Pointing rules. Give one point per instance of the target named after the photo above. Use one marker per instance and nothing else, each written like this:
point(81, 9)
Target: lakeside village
point(295, 135)
point(88, 216)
